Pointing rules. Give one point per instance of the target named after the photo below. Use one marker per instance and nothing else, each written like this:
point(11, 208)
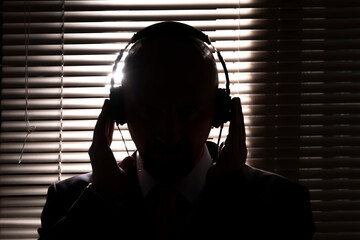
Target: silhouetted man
point(176, 185)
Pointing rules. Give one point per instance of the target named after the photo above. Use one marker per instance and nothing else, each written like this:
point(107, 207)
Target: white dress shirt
point(190, 186)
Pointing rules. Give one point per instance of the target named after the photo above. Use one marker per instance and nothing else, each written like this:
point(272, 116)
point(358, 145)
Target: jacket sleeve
point(88, 217)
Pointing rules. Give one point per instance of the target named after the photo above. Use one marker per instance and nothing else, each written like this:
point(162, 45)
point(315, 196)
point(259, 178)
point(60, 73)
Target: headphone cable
point(122, 137)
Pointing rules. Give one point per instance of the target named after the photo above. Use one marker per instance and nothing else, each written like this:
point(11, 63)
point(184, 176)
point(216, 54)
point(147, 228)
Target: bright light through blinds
point(294, 64)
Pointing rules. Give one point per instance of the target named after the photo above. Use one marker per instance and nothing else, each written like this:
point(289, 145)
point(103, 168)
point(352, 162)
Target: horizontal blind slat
point(245, 13)
point(29, 179)
point(110, 5)
point(21, 212)
point(51, 147)
point(101, 16)
point(109, 37)
point(42, 168)
point(118, 5)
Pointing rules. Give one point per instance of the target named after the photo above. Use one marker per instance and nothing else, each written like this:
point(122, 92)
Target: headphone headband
point(170, 29)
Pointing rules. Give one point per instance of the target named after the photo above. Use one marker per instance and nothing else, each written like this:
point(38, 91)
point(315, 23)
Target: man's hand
point(232, 154)
point(108, 179)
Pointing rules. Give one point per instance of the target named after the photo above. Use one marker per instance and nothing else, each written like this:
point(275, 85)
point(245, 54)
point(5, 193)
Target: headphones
point(176, 29)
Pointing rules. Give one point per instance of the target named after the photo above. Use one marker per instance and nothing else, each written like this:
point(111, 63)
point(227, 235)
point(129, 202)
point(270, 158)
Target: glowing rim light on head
point(117, 75)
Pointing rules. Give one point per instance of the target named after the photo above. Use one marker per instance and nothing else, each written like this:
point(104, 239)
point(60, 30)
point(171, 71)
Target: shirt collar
point(190, 186)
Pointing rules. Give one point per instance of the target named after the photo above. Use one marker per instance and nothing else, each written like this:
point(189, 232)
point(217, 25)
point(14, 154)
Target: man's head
point(170, 85)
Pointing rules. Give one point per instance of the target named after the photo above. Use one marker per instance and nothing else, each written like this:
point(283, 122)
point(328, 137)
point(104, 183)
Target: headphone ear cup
point(117, 105)
point(222, 107)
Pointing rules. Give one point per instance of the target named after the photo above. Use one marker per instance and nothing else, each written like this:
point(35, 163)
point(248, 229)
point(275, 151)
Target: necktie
point(165, 214)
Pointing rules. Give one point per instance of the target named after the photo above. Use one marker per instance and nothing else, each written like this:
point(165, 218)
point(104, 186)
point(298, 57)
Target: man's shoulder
point(62, 195)
point(256, 174)
point(74, 184)
point(271, 182)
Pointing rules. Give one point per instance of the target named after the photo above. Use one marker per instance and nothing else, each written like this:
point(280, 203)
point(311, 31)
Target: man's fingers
point(236, 128)
point(100, 124)
point(105, 125)
point(236, 138)
point(108, 179)
point(100, 153)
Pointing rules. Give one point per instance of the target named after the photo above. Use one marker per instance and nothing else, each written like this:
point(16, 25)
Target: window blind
point(294, 65)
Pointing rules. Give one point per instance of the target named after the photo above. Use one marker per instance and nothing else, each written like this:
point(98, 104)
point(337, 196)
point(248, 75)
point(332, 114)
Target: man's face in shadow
point(170, 89)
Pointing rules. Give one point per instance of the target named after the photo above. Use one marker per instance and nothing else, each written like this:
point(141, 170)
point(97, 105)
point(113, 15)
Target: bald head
point(171, 57)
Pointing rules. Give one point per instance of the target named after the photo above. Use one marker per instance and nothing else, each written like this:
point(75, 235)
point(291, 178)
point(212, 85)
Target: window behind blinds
point(293, 63)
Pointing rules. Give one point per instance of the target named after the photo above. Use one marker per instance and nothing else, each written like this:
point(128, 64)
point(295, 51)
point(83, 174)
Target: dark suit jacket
point(252, 204)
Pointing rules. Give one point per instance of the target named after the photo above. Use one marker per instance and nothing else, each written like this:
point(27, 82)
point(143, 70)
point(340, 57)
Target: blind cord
point(29, 127)
point(61, 92)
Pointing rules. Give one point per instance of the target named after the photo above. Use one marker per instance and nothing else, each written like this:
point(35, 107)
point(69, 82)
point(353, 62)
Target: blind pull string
point(61, 93)
point(29, 127)
point(239, 60)
point(239, 48)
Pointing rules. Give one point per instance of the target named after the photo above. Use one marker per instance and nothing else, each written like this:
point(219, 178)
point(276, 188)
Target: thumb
point(128, 164)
